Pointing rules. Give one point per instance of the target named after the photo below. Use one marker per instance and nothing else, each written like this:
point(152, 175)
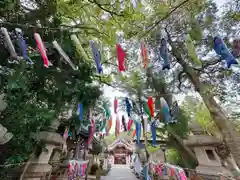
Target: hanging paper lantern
point(221, 49)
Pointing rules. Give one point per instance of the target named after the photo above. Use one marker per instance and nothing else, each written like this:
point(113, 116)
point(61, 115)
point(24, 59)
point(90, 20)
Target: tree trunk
point(185, 151)
point(229, 133)
point(160, 87)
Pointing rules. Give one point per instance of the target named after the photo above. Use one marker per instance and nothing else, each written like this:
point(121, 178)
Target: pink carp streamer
point(42, 49)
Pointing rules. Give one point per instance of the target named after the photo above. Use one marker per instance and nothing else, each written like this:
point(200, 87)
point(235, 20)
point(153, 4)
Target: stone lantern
point(204, 146)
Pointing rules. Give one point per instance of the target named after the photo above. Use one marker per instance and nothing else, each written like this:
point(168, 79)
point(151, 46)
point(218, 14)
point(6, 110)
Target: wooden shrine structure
point(120, 151)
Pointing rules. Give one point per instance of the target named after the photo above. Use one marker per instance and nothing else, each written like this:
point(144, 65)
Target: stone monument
point(38, 167)
point(203, 146)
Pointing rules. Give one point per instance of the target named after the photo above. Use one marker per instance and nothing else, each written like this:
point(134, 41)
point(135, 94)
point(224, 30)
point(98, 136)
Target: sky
point(111, 93)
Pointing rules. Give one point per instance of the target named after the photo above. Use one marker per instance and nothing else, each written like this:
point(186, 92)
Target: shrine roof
point(120, 142)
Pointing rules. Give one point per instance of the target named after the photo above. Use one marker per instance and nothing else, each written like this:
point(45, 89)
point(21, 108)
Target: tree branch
point(104, 9)
point(165, 17)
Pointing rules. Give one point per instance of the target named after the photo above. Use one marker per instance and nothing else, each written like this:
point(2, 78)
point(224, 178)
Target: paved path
point(120, 172)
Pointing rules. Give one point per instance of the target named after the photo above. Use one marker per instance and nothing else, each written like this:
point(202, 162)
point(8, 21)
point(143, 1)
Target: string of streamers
point(81, 52)
point(42, 50)
point(107, 110)
point(64, 55)
point(65, 134)
point(128, 106)
point(154, 133)
point(80, 111)
point(91, 132)
point(170, 170)
point(130, 122)
point(121, 58)
point(165, 110)
point(77, 168)
point(221, 49)
point(146, 109)
point(24, 163)
point(103, 124)
point(109, 125)
point(22, 46)
point(144, 54)
point(164, 53)
point(138, 131)
point(117, 128)
point(115, 105)
point(97, 56)
point(151, 106)
point(124, 124)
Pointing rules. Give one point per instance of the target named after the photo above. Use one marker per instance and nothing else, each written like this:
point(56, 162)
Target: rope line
point(23, 163)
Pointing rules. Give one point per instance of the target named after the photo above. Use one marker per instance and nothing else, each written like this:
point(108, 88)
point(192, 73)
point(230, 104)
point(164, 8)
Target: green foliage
point(36, 95)
point(181, 127)
point(196, 108)
point(151, 149)
point(97, 149)
point(172, 156)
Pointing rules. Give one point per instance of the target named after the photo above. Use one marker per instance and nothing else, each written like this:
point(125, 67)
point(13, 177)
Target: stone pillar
point(157, 156)
point(39, 167)
point(5, 136)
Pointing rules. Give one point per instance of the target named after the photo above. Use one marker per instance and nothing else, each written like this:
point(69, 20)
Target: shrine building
point(120, 152)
